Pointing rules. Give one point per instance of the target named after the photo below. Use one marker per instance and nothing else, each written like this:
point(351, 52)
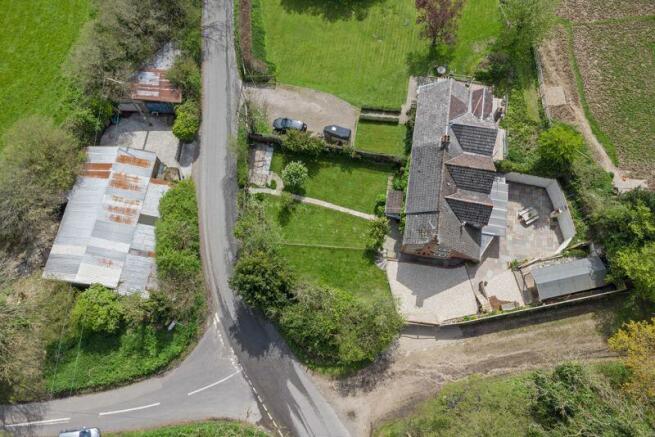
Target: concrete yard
point(431, 294)
point(134, 132)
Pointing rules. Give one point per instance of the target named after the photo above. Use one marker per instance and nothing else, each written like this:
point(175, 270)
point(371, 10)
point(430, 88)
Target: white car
point(84, 432)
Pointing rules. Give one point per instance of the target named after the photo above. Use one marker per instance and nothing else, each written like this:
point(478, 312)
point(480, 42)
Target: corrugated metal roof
point(570, 277)
point(100, 238)
point(151, 85)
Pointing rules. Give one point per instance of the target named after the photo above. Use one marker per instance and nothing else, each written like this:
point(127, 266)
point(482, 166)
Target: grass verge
point(210, 428)
point(340, 179)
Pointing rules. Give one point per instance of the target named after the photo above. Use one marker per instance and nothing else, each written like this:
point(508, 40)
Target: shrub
point(380, 203)
point(303, 142)
point(378, 229)
point(558, 147)
point(331, 327)
point(637, 341)
point(185, 74)
point(294, 175)
point(187, 121)
point(37, 167)
point(98, 310)
point(264, 281)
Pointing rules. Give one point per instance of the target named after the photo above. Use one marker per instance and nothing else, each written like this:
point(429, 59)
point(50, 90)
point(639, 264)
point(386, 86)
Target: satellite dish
point(441, 70)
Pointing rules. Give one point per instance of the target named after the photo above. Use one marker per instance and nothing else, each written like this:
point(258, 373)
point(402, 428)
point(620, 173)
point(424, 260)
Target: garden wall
point(557, 198)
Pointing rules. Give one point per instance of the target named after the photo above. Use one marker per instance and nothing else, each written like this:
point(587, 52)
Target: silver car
point(84, 432)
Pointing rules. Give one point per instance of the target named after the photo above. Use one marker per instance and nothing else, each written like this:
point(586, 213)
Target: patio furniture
point(529, 216)
point(532, 220)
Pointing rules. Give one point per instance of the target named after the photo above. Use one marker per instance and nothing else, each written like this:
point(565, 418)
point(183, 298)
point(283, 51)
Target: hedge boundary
point(255, 69)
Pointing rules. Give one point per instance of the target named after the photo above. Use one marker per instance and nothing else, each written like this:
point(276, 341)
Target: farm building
point(107, 233)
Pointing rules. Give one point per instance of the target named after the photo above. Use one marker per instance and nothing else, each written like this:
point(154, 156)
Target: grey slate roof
point(449, 184)
point(570, 277)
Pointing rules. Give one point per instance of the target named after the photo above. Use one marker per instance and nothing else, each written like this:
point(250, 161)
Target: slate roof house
point(456, 203)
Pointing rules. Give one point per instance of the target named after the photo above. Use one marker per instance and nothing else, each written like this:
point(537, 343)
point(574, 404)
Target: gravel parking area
point(315, 108)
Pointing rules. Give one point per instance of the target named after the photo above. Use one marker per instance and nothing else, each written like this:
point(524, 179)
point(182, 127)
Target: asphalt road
point(241, 368)
point(283, 387)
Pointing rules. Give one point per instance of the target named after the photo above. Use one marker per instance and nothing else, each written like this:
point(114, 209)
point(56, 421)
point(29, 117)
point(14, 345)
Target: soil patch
point(591, 10)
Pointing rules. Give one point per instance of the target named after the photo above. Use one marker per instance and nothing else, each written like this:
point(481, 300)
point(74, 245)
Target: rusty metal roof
point(106, 235)
point(151, 85)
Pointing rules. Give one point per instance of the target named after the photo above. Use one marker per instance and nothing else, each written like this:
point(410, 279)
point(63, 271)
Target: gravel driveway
point(315, 108)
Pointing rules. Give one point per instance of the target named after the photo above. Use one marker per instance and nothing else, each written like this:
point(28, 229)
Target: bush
point(295, 175)
point(185, 74)
point(98, 310)
point(558, 148)
point(37, 168)
point(378, 229)
point(187, 121)
point(330, 327)
point(636, 340)
point(251, 41)
point(380, 203)
point(303, 142)
point(264, 281)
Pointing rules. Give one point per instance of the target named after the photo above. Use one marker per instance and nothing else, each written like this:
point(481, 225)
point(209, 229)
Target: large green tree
point(558, 147)
point(98, 310)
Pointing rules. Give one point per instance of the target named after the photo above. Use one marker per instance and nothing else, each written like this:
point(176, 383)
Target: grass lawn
point(35, 39)
point(365, 51)
point(616, 64)
point(340, 179)
point(211, 428)
point(502, 406)
point(381, 137)
point(348, 268)
point(106, 360)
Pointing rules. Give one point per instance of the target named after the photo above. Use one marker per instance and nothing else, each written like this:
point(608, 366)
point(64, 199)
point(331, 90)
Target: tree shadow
point(331, 10)
point(423, 62)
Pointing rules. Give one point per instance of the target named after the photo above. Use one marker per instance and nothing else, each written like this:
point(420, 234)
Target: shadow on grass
point(331, 10)
point(421, 62)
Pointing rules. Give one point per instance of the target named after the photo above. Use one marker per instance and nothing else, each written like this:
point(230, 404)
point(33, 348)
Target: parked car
point(83, 432)
point(283, 124)
point(336, 134)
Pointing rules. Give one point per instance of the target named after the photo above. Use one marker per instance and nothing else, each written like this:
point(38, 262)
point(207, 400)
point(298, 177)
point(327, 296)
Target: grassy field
point(616, 61)
point(340, 180)
point(305, 228)
point(381, 137)
point(508, 406)
point(213, 428)
point(365, 51)
point(35, 39)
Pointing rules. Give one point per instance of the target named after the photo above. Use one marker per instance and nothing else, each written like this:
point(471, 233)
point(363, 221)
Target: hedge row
point(253, 65)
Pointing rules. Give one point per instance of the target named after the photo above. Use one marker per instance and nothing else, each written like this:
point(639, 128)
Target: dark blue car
point(284, 124)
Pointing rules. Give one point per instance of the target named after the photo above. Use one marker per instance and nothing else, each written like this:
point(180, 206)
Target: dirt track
point(425, 358)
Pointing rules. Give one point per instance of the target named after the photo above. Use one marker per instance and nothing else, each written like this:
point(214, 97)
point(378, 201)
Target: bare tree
point(438, 18)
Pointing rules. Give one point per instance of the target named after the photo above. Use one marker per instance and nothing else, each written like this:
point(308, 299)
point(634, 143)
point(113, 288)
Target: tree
point(185, 75)
point(622, 225)
point(377, 230)
point(98, 310)
point(438, 18)
point(637, 265)
point(264, 281)
point(187, 121)
point(527, 22)
point(558, 147)
point(37, 168)
point(636, 340)
point(294, 175)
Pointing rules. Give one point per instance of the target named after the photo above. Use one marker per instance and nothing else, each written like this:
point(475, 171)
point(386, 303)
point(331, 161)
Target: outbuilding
point(563, 279)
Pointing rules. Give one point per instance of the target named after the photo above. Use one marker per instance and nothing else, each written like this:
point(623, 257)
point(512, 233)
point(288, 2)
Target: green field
point(381, 137)
point(35, 39)
point(213, 428)
point(365, 51)
point(306, 228)
point(340, 179)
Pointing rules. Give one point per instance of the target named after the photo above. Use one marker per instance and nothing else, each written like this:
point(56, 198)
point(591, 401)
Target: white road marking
point(107, 413)
point(41, 422)
point(213, 384)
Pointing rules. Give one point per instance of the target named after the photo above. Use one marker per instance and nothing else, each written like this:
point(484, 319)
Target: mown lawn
point(340, 179)
point(381, 137)
point(365, 51)
point(616, 63)
point(212, 428)
point(304, 229)
point(35, 39)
